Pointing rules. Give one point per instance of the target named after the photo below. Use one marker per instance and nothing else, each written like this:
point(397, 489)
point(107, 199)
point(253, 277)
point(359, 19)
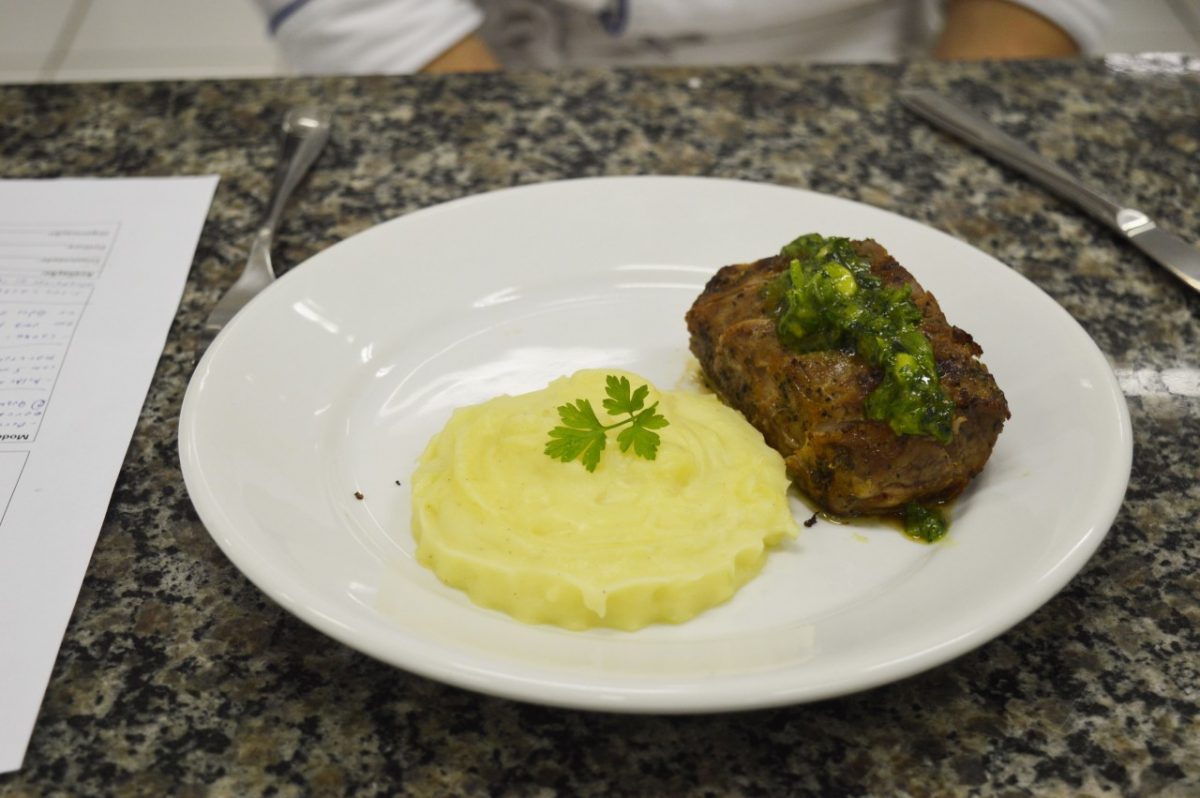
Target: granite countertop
point(177, 676)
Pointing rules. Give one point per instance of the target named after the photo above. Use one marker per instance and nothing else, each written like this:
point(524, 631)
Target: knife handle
point(985, 136)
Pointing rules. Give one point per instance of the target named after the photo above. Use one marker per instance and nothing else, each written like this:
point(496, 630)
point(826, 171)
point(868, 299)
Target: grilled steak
point(809, 406)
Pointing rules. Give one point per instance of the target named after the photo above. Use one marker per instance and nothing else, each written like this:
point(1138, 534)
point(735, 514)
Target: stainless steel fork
point(305, 131)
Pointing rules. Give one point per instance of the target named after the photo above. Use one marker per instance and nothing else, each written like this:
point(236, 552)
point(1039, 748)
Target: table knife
point(1167, 249)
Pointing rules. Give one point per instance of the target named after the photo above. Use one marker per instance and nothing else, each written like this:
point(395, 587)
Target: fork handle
point(305, 131)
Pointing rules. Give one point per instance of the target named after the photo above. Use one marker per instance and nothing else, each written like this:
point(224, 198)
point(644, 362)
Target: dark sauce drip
point(924, 523)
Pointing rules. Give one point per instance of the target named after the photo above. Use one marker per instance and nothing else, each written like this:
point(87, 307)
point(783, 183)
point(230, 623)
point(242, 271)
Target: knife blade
point(1167, 249)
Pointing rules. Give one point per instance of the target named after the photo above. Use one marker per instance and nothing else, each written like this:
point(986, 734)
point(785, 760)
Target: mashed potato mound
point(636, 542)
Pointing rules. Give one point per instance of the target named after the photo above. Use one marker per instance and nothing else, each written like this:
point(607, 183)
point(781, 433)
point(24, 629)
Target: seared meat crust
point(809, 407)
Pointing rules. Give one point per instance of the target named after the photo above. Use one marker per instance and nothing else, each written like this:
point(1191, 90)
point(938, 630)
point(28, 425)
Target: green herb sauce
point(828, 299)
point(923, 522)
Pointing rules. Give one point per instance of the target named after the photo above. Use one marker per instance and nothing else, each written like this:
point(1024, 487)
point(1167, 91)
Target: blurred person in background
point(400, 36)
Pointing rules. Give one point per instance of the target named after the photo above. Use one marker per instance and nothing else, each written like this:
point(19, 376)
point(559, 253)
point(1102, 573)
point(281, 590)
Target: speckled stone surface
point(177, 677)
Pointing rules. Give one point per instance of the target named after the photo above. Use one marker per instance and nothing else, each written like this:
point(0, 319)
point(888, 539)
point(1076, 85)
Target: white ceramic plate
point(333, 380)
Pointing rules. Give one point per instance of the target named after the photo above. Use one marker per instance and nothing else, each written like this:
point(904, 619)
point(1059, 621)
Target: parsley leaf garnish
point(583, 436)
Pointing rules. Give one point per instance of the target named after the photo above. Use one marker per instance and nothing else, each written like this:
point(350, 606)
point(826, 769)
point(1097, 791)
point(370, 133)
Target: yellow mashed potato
point(635, 542)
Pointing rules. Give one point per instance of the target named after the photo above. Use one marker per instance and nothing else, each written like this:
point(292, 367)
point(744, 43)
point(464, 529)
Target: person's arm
point(468, 55)
point(977, 29)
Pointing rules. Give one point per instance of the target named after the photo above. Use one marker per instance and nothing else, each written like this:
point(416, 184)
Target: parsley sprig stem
point(583, 436)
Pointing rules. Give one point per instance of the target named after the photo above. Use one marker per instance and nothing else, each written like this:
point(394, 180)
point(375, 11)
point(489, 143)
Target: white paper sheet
point(91, 272)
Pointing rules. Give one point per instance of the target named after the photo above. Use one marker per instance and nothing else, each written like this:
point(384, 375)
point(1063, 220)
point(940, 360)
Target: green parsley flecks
point(828, 299)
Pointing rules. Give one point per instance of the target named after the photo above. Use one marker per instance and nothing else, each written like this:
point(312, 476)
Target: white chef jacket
point(397, 36)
